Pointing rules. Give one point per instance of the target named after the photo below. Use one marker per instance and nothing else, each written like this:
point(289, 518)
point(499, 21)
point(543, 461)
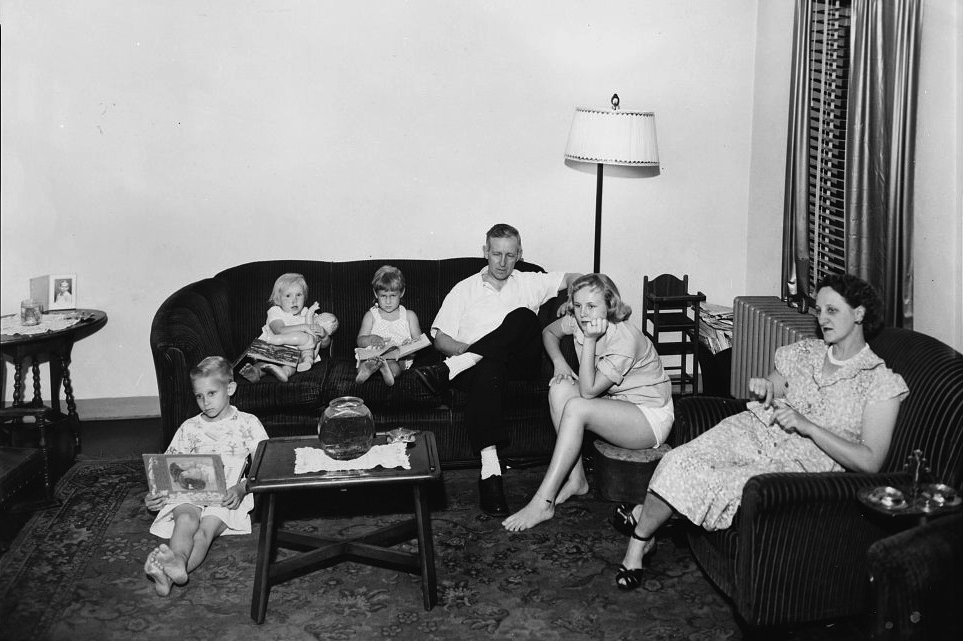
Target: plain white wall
point(938, 195)
point(146, 145)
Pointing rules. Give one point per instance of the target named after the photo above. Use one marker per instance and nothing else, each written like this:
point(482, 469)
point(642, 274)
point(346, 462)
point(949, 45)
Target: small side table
point(272, 472)
point(54, 346)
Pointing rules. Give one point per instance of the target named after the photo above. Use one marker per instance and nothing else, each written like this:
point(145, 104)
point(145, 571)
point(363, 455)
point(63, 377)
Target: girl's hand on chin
point(596, 327)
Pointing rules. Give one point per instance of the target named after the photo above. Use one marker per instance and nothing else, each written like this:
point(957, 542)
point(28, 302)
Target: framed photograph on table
point(55, 292)
point(64, 294)
point(186, 478)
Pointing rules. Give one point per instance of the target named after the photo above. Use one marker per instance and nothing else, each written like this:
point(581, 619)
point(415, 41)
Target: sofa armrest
point(696, 414)
point(183, 332)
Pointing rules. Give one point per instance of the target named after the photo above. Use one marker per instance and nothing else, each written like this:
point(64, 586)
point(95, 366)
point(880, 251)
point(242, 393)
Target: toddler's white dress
point(395, 332)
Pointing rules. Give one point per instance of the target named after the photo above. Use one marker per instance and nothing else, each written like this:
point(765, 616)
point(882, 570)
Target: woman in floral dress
point(829, 405)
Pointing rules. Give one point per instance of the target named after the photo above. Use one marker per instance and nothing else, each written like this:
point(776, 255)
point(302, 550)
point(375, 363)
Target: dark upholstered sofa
point(797, 550)
point(221, 315)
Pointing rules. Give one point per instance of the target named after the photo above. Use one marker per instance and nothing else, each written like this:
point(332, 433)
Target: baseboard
point(95, 409)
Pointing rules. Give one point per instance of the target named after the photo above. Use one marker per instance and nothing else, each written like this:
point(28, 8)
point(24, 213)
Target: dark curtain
point(880, 148)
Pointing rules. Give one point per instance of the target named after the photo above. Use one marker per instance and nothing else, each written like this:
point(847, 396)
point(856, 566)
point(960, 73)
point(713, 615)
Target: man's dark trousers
point(511, 351)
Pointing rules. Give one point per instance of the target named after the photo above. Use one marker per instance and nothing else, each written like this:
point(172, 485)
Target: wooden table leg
point(71, 403)
point(426, 547)
point(265, 550)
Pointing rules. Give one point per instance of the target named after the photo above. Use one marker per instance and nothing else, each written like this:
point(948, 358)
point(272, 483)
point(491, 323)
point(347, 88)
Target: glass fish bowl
point(346, 429)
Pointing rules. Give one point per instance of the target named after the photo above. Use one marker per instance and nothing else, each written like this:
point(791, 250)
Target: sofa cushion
point(406, 395)
point(301, 390)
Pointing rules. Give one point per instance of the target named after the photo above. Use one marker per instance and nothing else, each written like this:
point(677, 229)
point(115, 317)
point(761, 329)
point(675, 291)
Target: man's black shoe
point(491, 496)
point(433, 377)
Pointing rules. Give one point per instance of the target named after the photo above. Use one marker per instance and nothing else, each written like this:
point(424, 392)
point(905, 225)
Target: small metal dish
point(939, 494)
point(401, 435)
point(888, 497)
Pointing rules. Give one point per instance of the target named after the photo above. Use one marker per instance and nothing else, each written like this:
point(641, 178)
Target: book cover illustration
point(392, 352)
point(201, 479)
point(280, 354)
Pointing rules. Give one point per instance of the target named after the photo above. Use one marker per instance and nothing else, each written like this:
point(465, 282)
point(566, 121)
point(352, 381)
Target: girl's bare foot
point(572, 488)
point(307, 360)
point(252, 372)
point(366, 369)
point(174, 566)
point(386, 374)
point(162, 582)
point(538, 509)
point(277, 370)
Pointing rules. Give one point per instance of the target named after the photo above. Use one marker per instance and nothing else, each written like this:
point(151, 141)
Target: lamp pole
point(598, 220)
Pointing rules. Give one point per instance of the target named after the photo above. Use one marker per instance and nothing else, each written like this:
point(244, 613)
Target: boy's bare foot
point(365, 370)
point(174, 566)
point(538, 509)
point(277, 370)
point(572, 488)
point(162, 582)
point(251, 372)
point(386, 374)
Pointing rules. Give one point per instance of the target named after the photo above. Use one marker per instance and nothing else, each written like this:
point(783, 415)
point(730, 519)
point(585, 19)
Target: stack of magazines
point(715, 327)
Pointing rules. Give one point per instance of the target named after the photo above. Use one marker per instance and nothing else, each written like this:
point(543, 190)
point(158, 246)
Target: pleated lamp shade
point(613, 137)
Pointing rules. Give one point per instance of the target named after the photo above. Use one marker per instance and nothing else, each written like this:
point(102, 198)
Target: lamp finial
point(615, 101)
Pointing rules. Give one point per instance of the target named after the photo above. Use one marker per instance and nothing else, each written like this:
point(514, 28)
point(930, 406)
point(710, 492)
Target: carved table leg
point(71, 404)
point(37, 397)
point(18, 382)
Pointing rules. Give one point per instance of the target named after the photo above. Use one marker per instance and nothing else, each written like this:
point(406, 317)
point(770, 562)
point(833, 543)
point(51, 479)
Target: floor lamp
point(611, 137)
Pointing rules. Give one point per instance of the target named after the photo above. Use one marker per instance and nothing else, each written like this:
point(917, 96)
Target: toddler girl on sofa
point(289, 322)
point(386, 323)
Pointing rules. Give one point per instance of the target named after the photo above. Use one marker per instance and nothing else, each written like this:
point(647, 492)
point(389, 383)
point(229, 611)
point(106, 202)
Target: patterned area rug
point(76, 573)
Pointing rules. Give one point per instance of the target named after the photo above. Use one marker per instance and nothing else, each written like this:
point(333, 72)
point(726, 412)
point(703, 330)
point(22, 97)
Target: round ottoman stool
point(622, 475)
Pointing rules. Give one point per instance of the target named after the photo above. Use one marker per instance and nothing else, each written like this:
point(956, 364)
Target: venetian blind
point(828, 85)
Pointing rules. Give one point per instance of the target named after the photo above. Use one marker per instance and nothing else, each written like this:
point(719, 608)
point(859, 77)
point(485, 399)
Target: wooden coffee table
point(272, 472)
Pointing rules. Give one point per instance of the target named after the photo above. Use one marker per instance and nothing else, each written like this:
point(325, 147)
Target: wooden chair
point(669, 308)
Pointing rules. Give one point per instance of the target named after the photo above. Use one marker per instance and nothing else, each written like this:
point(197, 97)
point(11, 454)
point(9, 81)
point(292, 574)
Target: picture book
point(261, 350)
point(392, 351)
point(201, 479)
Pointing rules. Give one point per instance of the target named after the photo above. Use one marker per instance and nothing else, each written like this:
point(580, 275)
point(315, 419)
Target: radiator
point(760, 324)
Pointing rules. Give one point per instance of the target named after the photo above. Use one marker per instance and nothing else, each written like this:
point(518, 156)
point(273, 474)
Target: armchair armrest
point(696, 414)
point(804, 536)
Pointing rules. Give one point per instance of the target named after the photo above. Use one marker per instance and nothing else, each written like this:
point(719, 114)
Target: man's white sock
point(489, 462)
point(459, 363)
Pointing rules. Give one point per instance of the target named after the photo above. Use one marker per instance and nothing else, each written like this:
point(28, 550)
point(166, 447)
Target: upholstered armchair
point(796, 551)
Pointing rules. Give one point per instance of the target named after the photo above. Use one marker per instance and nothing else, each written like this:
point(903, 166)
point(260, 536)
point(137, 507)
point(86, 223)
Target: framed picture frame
point(55, 291)
point(64, 294)
point(186, 478)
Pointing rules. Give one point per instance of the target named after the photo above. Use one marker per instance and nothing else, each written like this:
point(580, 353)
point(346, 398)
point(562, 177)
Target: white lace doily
point(11, 325)
point(312, 459)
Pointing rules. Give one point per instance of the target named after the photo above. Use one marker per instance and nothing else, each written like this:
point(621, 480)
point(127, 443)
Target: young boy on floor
point(219, 429)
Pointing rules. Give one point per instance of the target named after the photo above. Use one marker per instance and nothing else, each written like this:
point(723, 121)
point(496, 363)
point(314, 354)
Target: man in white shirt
point(488, 329)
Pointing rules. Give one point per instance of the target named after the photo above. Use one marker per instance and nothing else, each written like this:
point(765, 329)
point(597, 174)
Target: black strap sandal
point(626, 579)
point(623, 520)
